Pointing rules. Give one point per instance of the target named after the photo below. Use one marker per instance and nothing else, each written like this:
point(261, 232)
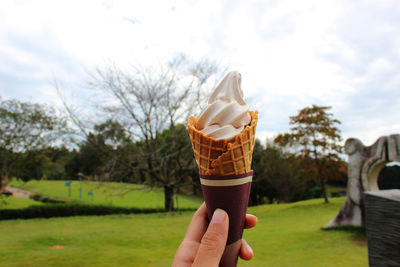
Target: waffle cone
point(223, 157)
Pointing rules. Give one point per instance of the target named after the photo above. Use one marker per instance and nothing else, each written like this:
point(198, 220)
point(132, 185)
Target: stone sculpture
point(365, 163)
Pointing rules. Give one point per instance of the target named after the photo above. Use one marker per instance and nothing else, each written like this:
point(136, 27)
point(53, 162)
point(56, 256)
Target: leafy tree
point(279, 171)
point(276, 177)
point(55, 160)
point(112, 132)
point(120, 153)
point(24, 128)
point(314, 135)
point(107, 154)
point(91, 158)
point(261, 187)
point(30, 165)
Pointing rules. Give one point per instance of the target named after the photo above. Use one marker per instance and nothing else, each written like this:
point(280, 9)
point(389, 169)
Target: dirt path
point(20, 193)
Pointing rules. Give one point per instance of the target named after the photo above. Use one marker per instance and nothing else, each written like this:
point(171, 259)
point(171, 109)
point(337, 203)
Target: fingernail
point(218, 216)
point(249, 249)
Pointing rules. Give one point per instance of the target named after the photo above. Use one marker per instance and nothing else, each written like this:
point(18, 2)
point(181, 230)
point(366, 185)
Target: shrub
point(335, 194)
point(316, 192)
point(338, 194)
point(46, 199)
point(71, 209)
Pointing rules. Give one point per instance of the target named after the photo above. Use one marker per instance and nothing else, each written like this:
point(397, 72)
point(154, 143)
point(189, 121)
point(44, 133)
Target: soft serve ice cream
point(226, 114)
point(223, 138)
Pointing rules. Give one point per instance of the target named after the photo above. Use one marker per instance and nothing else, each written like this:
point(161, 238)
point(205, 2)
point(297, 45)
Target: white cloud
point(291, 53)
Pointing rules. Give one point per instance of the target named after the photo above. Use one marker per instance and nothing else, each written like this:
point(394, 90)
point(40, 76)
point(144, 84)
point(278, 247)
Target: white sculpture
point(365, 163)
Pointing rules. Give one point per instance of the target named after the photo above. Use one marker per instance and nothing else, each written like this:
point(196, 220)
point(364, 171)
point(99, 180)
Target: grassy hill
point(16, 203)
point(287, 235)
point(117, 194)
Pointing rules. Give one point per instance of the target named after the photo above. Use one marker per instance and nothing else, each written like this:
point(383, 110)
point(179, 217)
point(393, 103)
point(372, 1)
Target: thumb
point(214, 241)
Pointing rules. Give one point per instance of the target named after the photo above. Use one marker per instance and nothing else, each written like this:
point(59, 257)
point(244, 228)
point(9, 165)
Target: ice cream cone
point(225, 176)
point(223, 157)
point(230, 193)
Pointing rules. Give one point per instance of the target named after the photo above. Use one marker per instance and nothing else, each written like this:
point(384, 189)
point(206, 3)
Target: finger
point(214, 240)
point(198, 225)
point(246, 253)
point(186, 254)
point(251, 221)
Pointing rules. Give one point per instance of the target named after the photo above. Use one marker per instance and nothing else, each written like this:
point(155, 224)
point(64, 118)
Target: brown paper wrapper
point(230, 193)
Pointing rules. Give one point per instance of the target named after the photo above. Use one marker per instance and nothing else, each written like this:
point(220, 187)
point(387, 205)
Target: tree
point(55, 160)
point(30, 165)
point(261, 188)
point(90, 157)
point(314, 134)
point(25, 128)
point(275, 177)
point(175, 150)
point(147, 101)
point(100, 155)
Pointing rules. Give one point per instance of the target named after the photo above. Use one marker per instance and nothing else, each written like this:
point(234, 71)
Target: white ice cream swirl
point(226, 114)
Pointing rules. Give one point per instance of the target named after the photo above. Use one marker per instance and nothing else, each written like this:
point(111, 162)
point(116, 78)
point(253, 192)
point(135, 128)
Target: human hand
point(204, 243)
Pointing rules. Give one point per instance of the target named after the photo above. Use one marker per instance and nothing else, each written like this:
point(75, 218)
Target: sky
point(291, 54)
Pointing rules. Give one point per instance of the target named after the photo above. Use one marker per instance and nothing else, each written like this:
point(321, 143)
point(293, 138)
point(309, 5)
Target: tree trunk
point(323, 187)
point(168, 198)
point(321, 177)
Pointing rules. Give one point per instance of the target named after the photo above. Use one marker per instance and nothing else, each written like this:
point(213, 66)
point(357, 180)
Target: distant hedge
point(72, 209)
point(47, 199)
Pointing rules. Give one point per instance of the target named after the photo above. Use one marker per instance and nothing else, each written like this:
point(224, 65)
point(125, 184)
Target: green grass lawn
point(16, 203)
point(287, 235)
point(117, 194)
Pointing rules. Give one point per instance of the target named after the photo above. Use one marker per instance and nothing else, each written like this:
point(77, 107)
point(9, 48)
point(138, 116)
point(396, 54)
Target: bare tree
point(150, 102)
